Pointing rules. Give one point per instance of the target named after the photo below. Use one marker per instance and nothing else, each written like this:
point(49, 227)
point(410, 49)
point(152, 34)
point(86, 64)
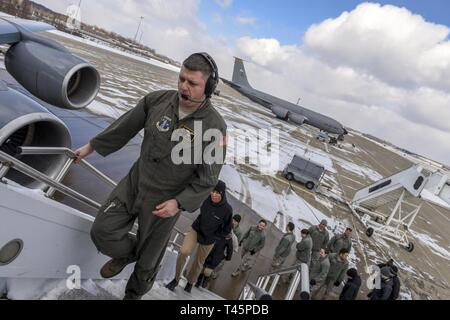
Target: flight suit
point(153, 179)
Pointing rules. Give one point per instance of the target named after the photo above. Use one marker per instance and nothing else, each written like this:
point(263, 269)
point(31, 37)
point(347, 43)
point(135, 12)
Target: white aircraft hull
point(54, 237)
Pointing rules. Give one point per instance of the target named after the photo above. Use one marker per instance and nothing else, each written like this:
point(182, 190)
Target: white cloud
point(224, 3)
point(391, 43)
point(217, 19)
point(177, 32)
point(245, 20)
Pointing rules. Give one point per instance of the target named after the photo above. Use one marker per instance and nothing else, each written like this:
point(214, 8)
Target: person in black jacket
point(351, 288)
point(223, 250)
point(386, 285)
point(212, 224)
point(395, 284)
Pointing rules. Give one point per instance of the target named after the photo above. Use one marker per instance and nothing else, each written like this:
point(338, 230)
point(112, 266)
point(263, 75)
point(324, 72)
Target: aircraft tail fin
point(239, 74)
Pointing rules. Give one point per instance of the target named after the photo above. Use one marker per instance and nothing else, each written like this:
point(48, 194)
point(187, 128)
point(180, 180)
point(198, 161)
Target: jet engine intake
point(281, 113)
point(297, 118)
point(52, 74)
point(24, 122)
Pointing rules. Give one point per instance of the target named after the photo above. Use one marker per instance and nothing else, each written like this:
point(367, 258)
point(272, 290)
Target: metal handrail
point(301, 277)
point(71, 155)
point(259, 293)
point(173, 242)
point(283, 271)
point(9, 161)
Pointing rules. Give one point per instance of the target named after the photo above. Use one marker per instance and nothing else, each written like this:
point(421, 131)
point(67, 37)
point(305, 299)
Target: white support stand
point(392, 224)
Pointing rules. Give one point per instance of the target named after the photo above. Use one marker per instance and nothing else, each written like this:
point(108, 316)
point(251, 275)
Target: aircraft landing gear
point(369, 232)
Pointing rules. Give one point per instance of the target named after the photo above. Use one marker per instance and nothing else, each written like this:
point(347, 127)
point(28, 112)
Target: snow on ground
point(360, 170)
point(325, 202)
point(103, 109)
point(28, 289)
point(405, 295)
point(116, 50)
point(432, 244)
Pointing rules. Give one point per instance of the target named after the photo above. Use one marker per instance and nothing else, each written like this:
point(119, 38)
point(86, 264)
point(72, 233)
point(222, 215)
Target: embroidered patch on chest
point(163, 125)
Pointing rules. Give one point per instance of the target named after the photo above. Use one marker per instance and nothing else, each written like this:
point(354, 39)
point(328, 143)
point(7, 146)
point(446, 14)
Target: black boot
point(188, 287)
point(205, 282)
point(200, 280)
point(172, 285)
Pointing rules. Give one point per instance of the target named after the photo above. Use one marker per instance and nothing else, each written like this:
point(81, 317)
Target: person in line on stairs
point(341, 241)
point(252, 242)
point(283, 248)
point(336, 274)
point(351, 287)
point(222, 251)
point(236, 235)
point(320, 237)
point(213, 223)
point(304, 247)
point(318, 273)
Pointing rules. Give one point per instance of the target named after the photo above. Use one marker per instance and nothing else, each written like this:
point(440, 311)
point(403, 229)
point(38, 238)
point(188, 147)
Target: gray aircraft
point(281, 108)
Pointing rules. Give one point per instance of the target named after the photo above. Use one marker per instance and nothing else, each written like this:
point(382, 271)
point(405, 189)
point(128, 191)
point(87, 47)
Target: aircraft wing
point(9, 33)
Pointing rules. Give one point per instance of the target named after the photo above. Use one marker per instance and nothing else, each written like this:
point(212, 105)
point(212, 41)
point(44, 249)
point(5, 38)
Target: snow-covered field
point(103, 46)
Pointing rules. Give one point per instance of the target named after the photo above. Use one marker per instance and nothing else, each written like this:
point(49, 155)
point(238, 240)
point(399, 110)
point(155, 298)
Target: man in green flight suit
point(158, 186)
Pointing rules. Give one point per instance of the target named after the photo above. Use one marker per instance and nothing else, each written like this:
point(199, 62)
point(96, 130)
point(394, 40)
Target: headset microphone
point(186, 97)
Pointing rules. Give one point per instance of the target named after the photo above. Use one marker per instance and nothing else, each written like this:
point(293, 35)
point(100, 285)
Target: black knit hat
point(394, 270)
point(220, 187)
point(237, 218)
point(352, 272)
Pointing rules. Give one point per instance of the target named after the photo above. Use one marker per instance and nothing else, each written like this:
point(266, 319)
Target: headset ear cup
point(213, 80)
point(209, 87)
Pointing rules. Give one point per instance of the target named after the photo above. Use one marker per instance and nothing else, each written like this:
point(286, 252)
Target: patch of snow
point(29, 289)
point(103, 109)
point(405, 296)
point(432, 244)
point(117, 51)
point(360, 170)
point(325, 202)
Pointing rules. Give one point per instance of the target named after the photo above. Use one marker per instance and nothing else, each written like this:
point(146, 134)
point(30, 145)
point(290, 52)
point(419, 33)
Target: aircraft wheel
point(369, 232)
point(290, 176)
point(309, 185)
point(410, 247)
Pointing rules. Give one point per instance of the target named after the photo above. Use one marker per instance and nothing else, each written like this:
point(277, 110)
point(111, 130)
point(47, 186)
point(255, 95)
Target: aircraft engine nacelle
point(24, 122)
point(52, 73)
point(281, 113)
point(297, 118)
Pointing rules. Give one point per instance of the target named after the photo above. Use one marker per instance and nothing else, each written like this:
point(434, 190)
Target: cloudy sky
point(379, 67)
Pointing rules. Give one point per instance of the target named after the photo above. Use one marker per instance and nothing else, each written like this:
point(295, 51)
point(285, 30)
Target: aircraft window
point(418, 183)
point(379, 186)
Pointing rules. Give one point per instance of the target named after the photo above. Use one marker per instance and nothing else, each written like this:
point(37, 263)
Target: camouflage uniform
point(153, 179)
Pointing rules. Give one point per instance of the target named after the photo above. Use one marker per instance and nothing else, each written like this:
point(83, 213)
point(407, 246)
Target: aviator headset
point(213, 79)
